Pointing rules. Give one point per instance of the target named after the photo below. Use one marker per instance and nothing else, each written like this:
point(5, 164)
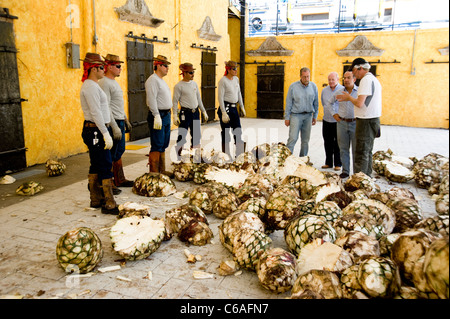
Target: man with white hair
point(329, 123)
point(367, 112)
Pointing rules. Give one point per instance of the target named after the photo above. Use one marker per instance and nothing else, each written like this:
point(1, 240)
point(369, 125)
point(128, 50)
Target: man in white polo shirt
point(367, 112)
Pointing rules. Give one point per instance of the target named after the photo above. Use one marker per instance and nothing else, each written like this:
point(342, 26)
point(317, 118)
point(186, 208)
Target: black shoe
point(116, 191)
point(113, 211)
point(343, 175)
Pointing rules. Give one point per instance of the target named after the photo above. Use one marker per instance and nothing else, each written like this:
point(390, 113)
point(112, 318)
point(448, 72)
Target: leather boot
point(162, 165)
point(119, 176)
point(153, 162)
point(110, 206)
point(95, 191)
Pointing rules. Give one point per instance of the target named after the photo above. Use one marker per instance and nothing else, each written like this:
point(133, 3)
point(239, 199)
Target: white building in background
point(316, 16)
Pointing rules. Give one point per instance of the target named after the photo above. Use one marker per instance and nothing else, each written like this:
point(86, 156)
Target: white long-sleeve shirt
point(114, 95)
point(230, 91)
point(188, 95)
point(158, 94)
point(95, 105)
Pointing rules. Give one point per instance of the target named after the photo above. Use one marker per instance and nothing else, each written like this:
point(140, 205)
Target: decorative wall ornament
point(136, 11)
point(444, 51)
point(360, 46)
point(207, 31)
point(270, 47)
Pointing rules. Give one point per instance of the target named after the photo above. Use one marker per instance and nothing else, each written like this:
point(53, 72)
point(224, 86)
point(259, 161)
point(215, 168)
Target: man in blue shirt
point(346, 123)
point(329, 126)
point(302, 108)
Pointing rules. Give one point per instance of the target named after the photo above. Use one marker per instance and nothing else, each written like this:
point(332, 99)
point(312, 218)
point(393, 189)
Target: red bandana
point(87, 66)
point(228, 68)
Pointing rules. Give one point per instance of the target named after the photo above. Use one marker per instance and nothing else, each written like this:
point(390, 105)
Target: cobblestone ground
point(29, 230)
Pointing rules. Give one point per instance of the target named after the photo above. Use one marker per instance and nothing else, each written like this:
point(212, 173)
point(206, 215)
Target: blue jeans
point(119, 145)
point(346, 139)
point(159, 139)
point(300, 123)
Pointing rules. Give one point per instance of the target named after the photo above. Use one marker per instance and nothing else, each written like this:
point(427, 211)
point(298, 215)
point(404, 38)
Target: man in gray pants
point(367, 113)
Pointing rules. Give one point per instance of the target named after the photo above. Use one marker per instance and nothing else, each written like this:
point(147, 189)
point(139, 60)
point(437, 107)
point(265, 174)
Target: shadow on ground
point(77, 167)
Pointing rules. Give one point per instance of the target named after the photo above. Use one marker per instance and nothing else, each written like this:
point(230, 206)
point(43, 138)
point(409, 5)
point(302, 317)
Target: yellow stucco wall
point(420, 100)
point(234, 29)
point(52, 117)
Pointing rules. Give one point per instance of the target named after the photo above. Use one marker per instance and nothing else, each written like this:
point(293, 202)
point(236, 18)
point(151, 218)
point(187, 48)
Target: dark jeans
point(189, 121)
point(100, 158)
point(366, 130)
point(159, 139)
point(233, 126)
point(332, 152)
point(119, 145)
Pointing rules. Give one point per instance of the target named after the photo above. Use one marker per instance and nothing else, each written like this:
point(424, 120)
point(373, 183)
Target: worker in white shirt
point(229, 95)
point(187, 95)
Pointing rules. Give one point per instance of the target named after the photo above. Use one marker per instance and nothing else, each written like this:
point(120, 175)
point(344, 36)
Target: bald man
point(329, 125)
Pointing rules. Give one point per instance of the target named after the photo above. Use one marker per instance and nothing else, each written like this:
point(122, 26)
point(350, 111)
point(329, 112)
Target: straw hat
point(111, 58)
point(186, 67)
point(162, 59)
point(93, 58)
point(231, 64)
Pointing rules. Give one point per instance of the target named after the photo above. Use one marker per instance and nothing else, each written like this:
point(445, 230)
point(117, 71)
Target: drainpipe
point(95, 40)
point(413, 69)
point(242, 49)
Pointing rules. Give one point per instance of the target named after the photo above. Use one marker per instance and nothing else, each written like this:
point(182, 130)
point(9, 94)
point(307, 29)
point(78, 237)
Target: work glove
point(157, 124)
point(176, 120)
point(128, 126)
point(205, 116)
point(243, 112)
point(117, 132)
point(108, 141)
point(225, 117)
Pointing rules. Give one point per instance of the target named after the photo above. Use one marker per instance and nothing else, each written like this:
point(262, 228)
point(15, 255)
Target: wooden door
point(208, 86)
point(270, 92)
point(12, 146)
point(140, 67)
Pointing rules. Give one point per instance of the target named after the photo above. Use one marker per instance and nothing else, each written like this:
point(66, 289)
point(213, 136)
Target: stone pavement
point(30, 229)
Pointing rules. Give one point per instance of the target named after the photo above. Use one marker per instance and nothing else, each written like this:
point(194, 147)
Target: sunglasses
point(117, 66)
point(101, 68)
point(192, 72)
point(165, 65)
point(234, 69)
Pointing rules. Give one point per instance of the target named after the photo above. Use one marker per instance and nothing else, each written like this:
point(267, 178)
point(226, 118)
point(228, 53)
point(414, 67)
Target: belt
point(164, 111)
point(188, 109)
point(347, 120)
point(230, 104)
point(303, 113)
point(92, 124)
